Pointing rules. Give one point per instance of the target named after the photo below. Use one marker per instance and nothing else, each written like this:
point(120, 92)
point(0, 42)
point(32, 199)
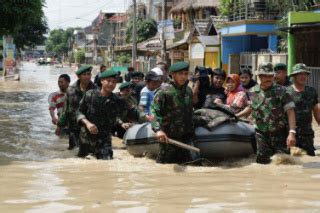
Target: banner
point(9, 62)
point(167, 25)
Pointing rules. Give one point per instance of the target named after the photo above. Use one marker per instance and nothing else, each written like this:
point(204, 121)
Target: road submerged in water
point(39, 174)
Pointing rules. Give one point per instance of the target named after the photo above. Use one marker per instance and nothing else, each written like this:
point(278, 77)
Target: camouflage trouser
point(269, 144)
point(73, 138)
point(99, 145)
point(118, 131)
point(172, 154)
point(306, 143)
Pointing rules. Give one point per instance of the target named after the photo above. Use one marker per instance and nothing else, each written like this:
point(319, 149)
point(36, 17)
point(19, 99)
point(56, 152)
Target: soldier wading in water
point(306, 101)
point(273, 116)
point(73, 96)
point(98, 112)
point(172, 110)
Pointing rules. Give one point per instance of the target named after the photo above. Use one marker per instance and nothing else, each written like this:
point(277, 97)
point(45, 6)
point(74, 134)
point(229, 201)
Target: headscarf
point(231, 94)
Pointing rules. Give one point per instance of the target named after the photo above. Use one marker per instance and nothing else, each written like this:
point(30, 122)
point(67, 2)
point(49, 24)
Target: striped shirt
point(146, 98)
point(56, 101)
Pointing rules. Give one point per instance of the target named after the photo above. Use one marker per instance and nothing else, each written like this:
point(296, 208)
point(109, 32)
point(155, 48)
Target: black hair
point(245, 71)
point(102, 65)
point(66, 77)
point(219, 72)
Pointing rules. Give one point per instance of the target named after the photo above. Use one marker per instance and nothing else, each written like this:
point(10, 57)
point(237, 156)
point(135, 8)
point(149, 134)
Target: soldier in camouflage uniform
point(173, 112)
point(134, 114)
point(98, 112)
point(272, 111)
point(73, 96)
point(306, 101)
point(281, 76)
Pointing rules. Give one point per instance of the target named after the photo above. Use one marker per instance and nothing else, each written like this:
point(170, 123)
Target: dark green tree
point(146, 28)
point(58, 41)
point(24, 20)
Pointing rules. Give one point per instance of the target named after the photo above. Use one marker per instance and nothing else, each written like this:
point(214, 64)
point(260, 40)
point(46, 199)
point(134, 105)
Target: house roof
point(194, 4)
point(180, 42)
point(209, 40)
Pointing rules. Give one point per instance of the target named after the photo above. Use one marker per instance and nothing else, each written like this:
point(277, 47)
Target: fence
point(252, 60)
point(314, 79)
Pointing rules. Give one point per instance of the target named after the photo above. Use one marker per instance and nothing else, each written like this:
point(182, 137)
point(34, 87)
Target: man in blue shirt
point(153, 81)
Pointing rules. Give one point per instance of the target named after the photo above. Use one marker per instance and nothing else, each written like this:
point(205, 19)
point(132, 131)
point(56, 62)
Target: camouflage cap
point(83, 69)
point(108, 74)
point(179, 66)
point(280, 66)
point(266, 68)
point(299, 68)
point(124, 85)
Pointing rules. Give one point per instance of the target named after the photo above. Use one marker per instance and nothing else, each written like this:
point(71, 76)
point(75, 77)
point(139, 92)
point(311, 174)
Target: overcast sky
point(79, 13)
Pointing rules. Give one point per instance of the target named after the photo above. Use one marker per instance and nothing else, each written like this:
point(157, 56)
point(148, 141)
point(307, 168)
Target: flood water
point(39, 174)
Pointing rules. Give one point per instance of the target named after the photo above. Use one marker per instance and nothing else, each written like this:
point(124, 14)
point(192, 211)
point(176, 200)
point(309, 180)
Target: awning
point(299, 27)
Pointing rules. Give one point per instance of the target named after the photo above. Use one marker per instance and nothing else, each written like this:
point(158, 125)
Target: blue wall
point(246, 43)
point(248, 28)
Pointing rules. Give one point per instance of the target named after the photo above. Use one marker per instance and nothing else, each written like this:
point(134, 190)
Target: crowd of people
point(280, 110)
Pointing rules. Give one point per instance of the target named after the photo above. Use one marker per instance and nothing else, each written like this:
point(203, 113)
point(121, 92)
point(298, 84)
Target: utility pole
point(164, 17)
point(134, 34)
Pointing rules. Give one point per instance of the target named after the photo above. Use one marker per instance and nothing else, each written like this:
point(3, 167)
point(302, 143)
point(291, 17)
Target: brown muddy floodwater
point(39, 174)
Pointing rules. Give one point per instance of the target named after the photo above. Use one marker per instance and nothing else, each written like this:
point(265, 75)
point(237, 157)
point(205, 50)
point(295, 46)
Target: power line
point(82, 15)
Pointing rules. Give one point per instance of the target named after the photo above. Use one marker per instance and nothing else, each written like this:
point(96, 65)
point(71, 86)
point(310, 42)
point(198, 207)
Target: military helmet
point(299, 68)
point(266, 68)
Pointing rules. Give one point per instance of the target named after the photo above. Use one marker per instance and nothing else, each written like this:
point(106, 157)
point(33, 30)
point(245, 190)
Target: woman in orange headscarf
point(237, 99)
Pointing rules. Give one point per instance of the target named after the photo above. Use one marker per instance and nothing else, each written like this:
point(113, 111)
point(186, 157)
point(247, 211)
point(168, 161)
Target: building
point(251, 26)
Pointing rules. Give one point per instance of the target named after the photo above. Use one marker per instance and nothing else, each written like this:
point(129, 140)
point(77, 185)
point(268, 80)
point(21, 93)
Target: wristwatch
point(292, 131)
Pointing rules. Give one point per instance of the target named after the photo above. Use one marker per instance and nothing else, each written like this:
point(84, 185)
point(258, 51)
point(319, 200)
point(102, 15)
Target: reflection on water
point(39, 174)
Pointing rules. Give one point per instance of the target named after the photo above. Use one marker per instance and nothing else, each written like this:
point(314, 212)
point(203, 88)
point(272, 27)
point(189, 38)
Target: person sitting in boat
point(173, 112)
point(213, 93)
point(153, 81)
point(99, 111)
point(237, 99)
point(246, 79)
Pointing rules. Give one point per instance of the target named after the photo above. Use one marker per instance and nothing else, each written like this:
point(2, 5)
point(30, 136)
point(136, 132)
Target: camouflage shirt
point(173, 111)
point(102, 111)
point(305, 102)
point(269, 107)
point(134, 114)
point(73, 97)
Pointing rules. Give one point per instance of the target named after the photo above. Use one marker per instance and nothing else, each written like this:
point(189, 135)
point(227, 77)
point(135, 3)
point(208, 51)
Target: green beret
point(179, 66)
point(137, 74)
point(108, 74)
point(280, 66)
point(83, 69)
point(124, 85)
point(299, 68)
